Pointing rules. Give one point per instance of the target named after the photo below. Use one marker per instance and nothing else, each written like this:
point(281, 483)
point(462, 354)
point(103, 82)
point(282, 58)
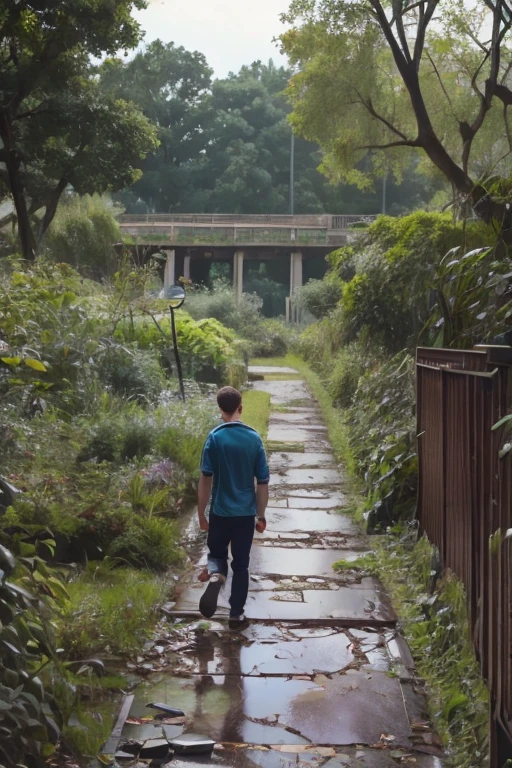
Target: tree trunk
point(51, 209)
point(12, 161)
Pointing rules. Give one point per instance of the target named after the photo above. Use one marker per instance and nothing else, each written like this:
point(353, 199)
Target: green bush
point(396, 263)
point(111, 609)
point(136, 438)
point(219, 302)
point(271, 338)
point(383, 440)
point(208, 350)
point(135, 374)
point(345, 371)
point(319, 297)
point(50, 338)
point(83, 234)
point(148, 542)
point(30, 595)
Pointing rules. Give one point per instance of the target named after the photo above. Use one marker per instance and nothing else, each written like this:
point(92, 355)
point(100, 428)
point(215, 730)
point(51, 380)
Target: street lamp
point(176, 296)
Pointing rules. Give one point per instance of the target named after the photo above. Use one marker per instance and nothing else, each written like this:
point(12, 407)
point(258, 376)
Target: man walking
point(234, 473)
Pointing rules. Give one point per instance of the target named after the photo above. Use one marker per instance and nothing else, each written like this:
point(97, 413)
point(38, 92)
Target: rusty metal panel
point(431, 455)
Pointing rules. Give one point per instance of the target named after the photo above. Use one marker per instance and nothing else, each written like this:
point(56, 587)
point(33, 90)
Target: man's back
point(235, 456)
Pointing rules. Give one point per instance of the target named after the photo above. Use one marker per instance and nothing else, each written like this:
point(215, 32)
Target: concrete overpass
point(192, 241)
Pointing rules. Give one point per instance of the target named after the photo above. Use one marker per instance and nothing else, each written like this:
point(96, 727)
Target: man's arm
point(261, 499)
point(205, 481)
point(203, 497)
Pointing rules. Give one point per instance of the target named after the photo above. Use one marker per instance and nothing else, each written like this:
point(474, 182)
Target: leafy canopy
point(57, 127)
point(380, 80)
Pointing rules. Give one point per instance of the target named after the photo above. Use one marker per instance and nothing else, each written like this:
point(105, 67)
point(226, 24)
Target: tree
point(381, 79)
point(56, 126)
point(169, 84)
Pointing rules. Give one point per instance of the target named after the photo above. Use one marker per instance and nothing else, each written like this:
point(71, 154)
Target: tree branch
point(438, 75)
point(425, 17)
point(369, 106)
point(399, 21)
point(403, 143)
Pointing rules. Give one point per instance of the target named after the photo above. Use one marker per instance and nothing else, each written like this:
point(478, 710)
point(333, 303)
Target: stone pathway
point(321, 677)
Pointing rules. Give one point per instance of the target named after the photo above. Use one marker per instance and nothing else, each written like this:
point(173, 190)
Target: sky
point(230, 33)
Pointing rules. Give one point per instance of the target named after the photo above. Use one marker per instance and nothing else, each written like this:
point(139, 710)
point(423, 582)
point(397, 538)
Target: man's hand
point(261, 524)
point(203, 523)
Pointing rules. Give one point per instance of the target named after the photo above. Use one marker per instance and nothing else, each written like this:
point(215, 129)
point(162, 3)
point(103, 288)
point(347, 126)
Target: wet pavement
point(321, 677)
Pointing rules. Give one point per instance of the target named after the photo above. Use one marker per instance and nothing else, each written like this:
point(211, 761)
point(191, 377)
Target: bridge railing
point(221, 219)
point(233, 236)
point(324, 221)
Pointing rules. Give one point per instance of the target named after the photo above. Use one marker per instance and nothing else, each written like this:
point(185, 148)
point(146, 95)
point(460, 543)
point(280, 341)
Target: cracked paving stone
point(311, 521)
point(304, 499)
point(300, 418)
point(282, 434)
point(298, 561)
point(267, 758)
point(284, 392)
point(306, 477)
point(286, 460)
point(351, 708)
point(266, 370)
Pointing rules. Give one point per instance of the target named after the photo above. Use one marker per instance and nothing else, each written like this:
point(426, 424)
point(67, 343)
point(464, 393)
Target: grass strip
point(256, 411)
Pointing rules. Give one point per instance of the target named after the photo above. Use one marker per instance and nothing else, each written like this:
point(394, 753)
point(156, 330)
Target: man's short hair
point(229, 399)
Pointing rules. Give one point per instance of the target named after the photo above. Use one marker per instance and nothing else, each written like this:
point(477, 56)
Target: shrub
point(319, 297)
point(219, 302)
point(30, 594)
point(271, 338)
point(136, 438)
point(83, 234)
point(344, 372)
point(383, 440)
point(136, 374)
point(110, 609)
point(148, 542)
point(396, 262)
point(181, 429)
point(208, 350)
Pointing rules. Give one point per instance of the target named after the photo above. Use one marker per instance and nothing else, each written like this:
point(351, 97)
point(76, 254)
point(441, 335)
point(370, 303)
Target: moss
point(276, 447)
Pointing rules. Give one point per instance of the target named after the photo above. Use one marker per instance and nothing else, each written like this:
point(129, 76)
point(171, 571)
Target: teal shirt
point(234, 455)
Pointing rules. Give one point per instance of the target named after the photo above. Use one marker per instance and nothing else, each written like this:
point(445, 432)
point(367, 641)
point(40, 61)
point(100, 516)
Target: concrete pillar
point(295, 271)
point(295, 282)
point(186, 267)
point(169, 271)
point(238, 274)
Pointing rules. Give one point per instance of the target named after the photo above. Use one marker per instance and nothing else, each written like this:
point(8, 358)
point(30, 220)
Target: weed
point(111, 610)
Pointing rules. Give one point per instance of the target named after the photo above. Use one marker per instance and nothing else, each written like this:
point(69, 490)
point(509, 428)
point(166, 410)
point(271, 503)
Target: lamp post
point(292, 174)
point(176, 296)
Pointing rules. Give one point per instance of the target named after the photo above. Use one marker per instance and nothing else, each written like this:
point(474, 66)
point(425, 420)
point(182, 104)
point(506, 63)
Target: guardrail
point(324, 221)
point(234, 236)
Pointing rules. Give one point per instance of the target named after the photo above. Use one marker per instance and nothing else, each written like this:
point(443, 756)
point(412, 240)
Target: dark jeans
point(239, 532)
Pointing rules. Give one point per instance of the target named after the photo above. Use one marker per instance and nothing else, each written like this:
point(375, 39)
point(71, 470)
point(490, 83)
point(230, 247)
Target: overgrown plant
point(30, 596)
